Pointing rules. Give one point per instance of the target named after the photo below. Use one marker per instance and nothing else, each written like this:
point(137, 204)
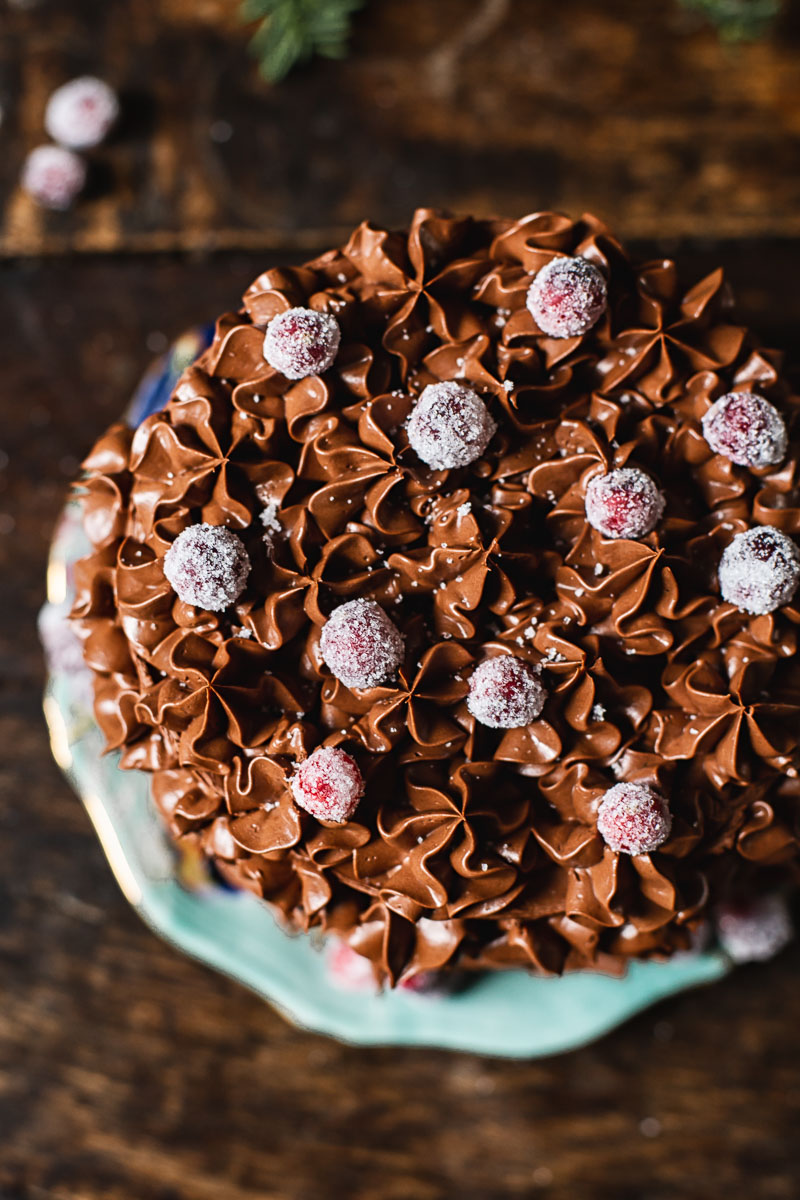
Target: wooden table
point(632, 110)
point(126, 1071)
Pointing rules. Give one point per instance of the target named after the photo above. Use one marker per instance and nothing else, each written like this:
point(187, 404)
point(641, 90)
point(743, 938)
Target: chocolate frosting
point(473, 846)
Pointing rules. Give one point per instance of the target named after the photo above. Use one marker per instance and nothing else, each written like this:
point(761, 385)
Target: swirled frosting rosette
point(442, 570)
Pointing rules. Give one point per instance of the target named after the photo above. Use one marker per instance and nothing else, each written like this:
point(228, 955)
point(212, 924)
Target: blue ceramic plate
point(509, 1012)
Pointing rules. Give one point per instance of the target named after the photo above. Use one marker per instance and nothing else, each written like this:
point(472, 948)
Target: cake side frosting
point(474, 843)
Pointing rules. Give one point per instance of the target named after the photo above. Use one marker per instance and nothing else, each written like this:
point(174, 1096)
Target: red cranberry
point(328, 785)
point(505, 693)
point(567, 297)
point(633, 818)
point(624, 504)
point(449, 426)
point(54, 177)
point(361, 645)
point(348, 969)
point(80, 113)
point(424, 983)
point(302, 342)
point(747, 429)
point(756, 930)
point(207, 565)
point(760, 570)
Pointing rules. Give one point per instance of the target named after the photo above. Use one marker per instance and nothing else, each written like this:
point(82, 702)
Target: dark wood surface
point(634, 110)
point(128, 1072)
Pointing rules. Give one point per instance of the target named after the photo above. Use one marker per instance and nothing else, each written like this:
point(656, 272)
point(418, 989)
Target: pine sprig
point(291, 32)
point(738, 20)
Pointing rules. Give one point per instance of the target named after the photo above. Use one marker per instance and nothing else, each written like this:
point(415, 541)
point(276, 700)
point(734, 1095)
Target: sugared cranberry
point(80, 114)
point(760, 570)
point(424, 983)
point(449, 426)
point(567, 297)
point(328, 784)
point(624, 504)
point(633, 818)
point(207, 565)
point(756, 930)
point(54, 177)
point(747, 429)
point(348, 969)
point(302, 342)
point(361, 645)
point(505, 693)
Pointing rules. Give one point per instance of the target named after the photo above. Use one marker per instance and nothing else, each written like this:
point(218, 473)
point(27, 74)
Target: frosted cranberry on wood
point(755, 930)
point(624, 504)
point(54, 177)
point(328, 784)
point(80, 114)
point(505, 692)
point(361, 645)
point(747, 429)
point(567, 297)
point(302, 342)
point(449, 426)
point(208, 566)
point(633, 818)
point(760, 570)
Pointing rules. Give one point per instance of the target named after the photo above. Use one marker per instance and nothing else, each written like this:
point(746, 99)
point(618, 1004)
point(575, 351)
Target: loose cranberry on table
point(633, 818)
point(54, 177)
point(81, 113)
point(506, 692)
point(754, 930)
point(747, 429)
point(208, 566)
point(624, 504)
point(302, 342)
point(449, 426)
point(361, 645)
point(328, 784)
point(567, 297)
point(760, 570)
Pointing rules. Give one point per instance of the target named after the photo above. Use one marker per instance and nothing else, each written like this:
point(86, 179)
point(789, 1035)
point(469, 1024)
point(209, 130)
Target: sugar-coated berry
point(505, 692)
point(756, 930)
point(567, 297)
point(747, 429)
point(624, 504)
point(347, 968)
point(302, 342)
point(54, 177)
point(207, 565)
point(633, 818)
point(424, 983)
point(81, 113)
point(361, 645)
point(449, 426)
point(328, 784)
point(760, 570)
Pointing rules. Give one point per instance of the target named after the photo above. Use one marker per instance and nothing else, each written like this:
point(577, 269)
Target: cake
point(450, 601)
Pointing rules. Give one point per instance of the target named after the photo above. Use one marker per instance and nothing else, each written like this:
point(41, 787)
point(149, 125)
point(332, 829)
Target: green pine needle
point(290, 32)
point(738, 20)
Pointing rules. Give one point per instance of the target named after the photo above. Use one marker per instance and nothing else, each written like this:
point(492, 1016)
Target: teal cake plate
point(508, 1013)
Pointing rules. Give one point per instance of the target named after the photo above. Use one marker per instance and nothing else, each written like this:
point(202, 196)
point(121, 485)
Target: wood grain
point(128, 1072)
point(633, 110)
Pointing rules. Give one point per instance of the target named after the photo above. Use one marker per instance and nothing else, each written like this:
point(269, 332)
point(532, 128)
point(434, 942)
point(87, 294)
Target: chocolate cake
point(450, 600)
